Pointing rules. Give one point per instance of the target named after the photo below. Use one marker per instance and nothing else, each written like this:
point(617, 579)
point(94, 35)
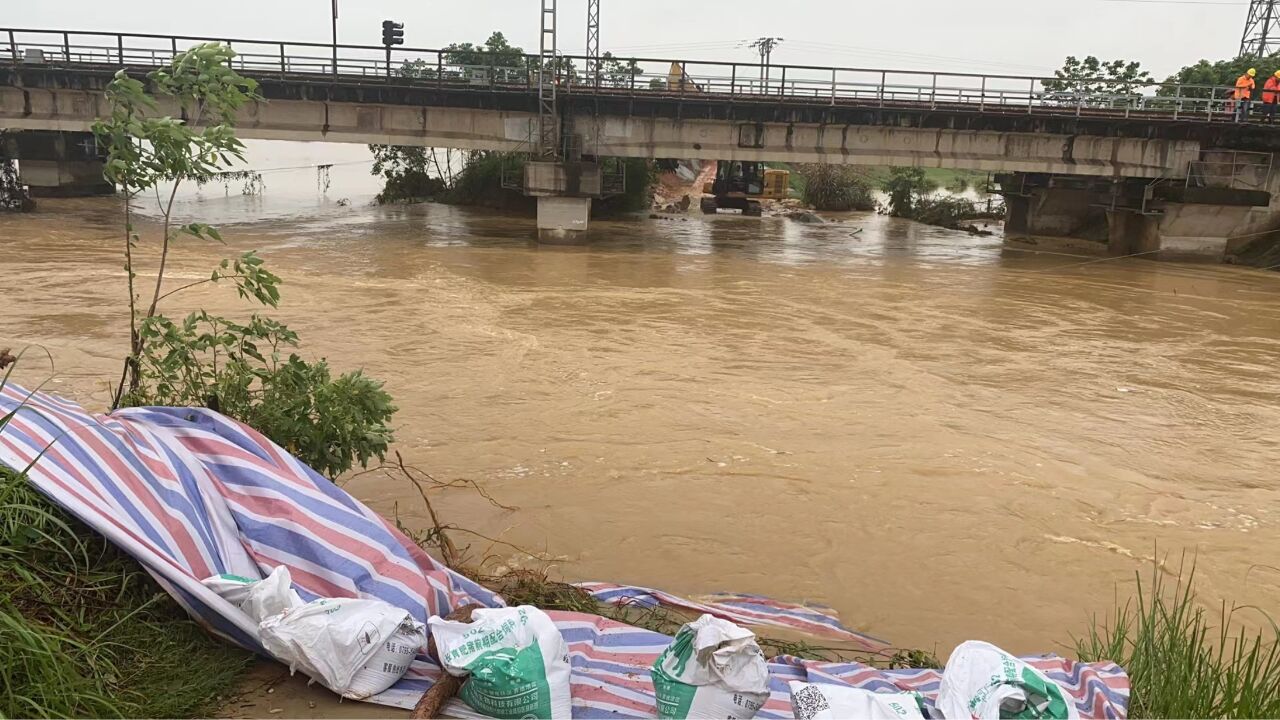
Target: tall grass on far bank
point(1184, 660)
point(85, 632)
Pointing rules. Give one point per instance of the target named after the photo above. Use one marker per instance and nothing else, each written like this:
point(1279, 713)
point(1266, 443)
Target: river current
point(941, 436)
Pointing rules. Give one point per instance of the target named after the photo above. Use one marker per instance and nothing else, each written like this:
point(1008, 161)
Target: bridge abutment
point(1225, 206)
point(60, 164)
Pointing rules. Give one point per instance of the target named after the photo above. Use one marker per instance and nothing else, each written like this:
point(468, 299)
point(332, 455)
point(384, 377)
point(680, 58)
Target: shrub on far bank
point(835, 188)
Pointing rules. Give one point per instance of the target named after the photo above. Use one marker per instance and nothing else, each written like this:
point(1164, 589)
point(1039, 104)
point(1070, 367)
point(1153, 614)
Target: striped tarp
point(191, 493)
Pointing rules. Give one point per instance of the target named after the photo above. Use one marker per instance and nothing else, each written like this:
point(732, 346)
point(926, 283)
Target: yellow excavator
point(741, 185)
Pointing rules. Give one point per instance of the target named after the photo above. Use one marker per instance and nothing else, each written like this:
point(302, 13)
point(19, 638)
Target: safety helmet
point(1278, 73)
point(1253, 71)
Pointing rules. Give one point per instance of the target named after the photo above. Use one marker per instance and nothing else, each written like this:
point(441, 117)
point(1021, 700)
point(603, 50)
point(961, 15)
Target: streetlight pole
point(335, 39)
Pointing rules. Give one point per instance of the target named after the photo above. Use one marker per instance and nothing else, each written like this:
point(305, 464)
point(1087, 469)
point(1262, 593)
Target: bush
point(905, 187)
point(240, 371)
point(942, 210)
point(480, 182)
point(410, 186)
point(835, 188)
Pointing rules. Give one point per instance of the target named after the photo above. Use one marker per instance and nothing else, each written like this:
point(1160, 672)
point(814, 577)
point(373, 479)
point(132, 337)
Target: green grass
point(85, 632)
point(1184, 660)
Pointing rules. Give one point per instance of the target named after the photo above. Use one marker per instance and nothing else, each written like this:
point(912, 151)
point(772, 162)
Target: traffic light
point(392, 33)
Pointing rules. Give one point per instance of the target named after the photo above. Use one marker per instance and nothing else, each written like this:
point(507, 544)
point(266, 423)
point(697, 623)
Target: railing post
point(833, 86)
point(683, 74)
point(982, 97)
point(933, 93)
point(173, 47)
point(632, 84)
point(733, 80)
point(119, 48)
point(440, 71)
point(1031, 95)
point(492, 70)
point(1079, 102)
point(13, 47)
point(66, 46)
point(782, 86)
point(884, 77)
point(283, 66)
point(1177, 100)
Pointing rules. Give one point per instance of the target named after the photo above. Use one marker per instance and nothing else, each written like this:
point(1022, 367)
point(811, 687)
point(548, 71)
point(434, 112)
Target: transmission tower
point(548, 138)
point(593, 42)
point(1262, 30)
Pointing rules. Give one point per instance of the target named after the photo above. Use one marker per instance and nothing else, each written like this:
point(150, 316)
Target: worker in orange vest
point(1244, 94)
point(1270, 94)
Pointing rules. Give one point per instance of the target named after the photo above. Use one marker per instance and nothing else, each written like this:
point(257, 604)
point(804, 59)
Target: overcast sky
point(1010, 36)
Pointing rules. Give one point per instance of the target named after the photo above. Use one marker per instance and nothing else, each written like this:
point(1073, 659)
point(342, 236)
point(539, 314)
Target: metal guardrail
point(657, 77)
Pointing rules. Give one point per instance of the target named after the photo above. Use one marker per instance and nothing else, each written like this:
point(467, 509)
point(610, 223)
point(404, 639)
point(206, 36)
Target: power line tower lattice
point(1262, 29)
point(548, 138)
point(593, 42)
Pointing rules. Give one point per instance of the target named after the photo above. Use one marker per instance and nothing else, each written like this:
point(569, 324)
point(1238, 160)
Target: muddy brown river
point(940, 436)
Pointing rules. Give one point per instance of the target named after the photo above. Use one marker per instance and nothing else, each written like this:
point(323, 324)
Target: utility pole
point(593, 42)
point(1262, 29)
point(765, 46)
point(335, 39)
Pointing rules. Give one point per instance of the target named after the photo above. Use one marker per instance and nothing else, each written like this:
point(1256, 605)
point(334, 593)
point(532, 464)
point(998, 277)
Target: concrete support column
point(564, 191)
point(563, 220)
point(1065, 212)
point(60, 164)
point(1017, 214)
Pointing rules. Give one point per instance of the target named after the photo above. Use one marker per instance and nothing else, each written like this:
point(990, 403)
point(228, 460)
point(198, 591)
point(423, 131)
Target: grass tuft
point(1184, 660)
point(85, 632)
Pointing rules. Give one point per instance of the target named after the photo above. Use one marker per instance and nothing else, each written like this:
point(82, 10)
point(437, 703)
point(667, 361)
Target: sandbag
point(713, 669)
point(983, 682)
point(232, 588)
point(259, 599)
point(838, 702)
point(515, 662)
point(354, 647)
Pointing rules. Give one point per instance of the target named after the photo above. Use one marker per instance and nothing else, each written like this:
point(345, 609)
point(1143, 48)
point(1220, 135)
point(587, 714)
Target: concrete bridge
point(1128, 137)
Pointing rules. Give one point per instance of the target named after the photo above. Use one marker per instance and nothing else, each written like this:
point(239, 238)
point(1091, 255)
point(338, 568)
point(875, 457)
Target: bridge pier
point(59, 164)
point(564, 191)
point(563, 220)
point(1055, 212)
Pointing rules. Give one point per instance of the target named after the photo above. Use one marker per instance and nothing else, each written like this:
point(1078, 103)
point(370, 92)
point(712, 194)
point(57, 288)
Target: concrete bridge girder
point(652, 137)
point(871, 145)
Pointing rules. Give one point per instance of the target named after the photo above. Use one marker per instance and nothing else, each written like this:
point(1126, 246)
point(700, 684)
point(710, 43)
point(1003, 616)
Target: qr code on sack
point(807, 702)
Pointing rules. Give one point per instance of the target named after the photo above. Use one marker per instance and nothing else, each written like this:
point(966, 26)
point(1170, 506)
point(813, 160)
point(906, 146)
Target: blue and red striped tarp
point(191, 494)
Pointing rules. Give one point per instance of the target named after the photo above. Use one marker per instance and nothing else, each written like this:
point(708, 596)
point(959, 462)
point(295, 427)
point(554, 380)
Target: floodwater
point(941, 437)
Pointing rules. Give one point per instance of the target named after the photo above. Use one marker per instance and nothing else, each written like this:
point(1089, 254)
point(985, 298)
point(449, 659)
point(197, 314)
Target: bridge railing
point(652, 77)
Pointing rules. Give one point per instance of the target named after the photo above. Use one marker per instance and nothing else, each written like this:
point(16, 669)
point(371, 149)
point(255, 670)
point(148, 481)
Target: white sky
point(995, 36)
